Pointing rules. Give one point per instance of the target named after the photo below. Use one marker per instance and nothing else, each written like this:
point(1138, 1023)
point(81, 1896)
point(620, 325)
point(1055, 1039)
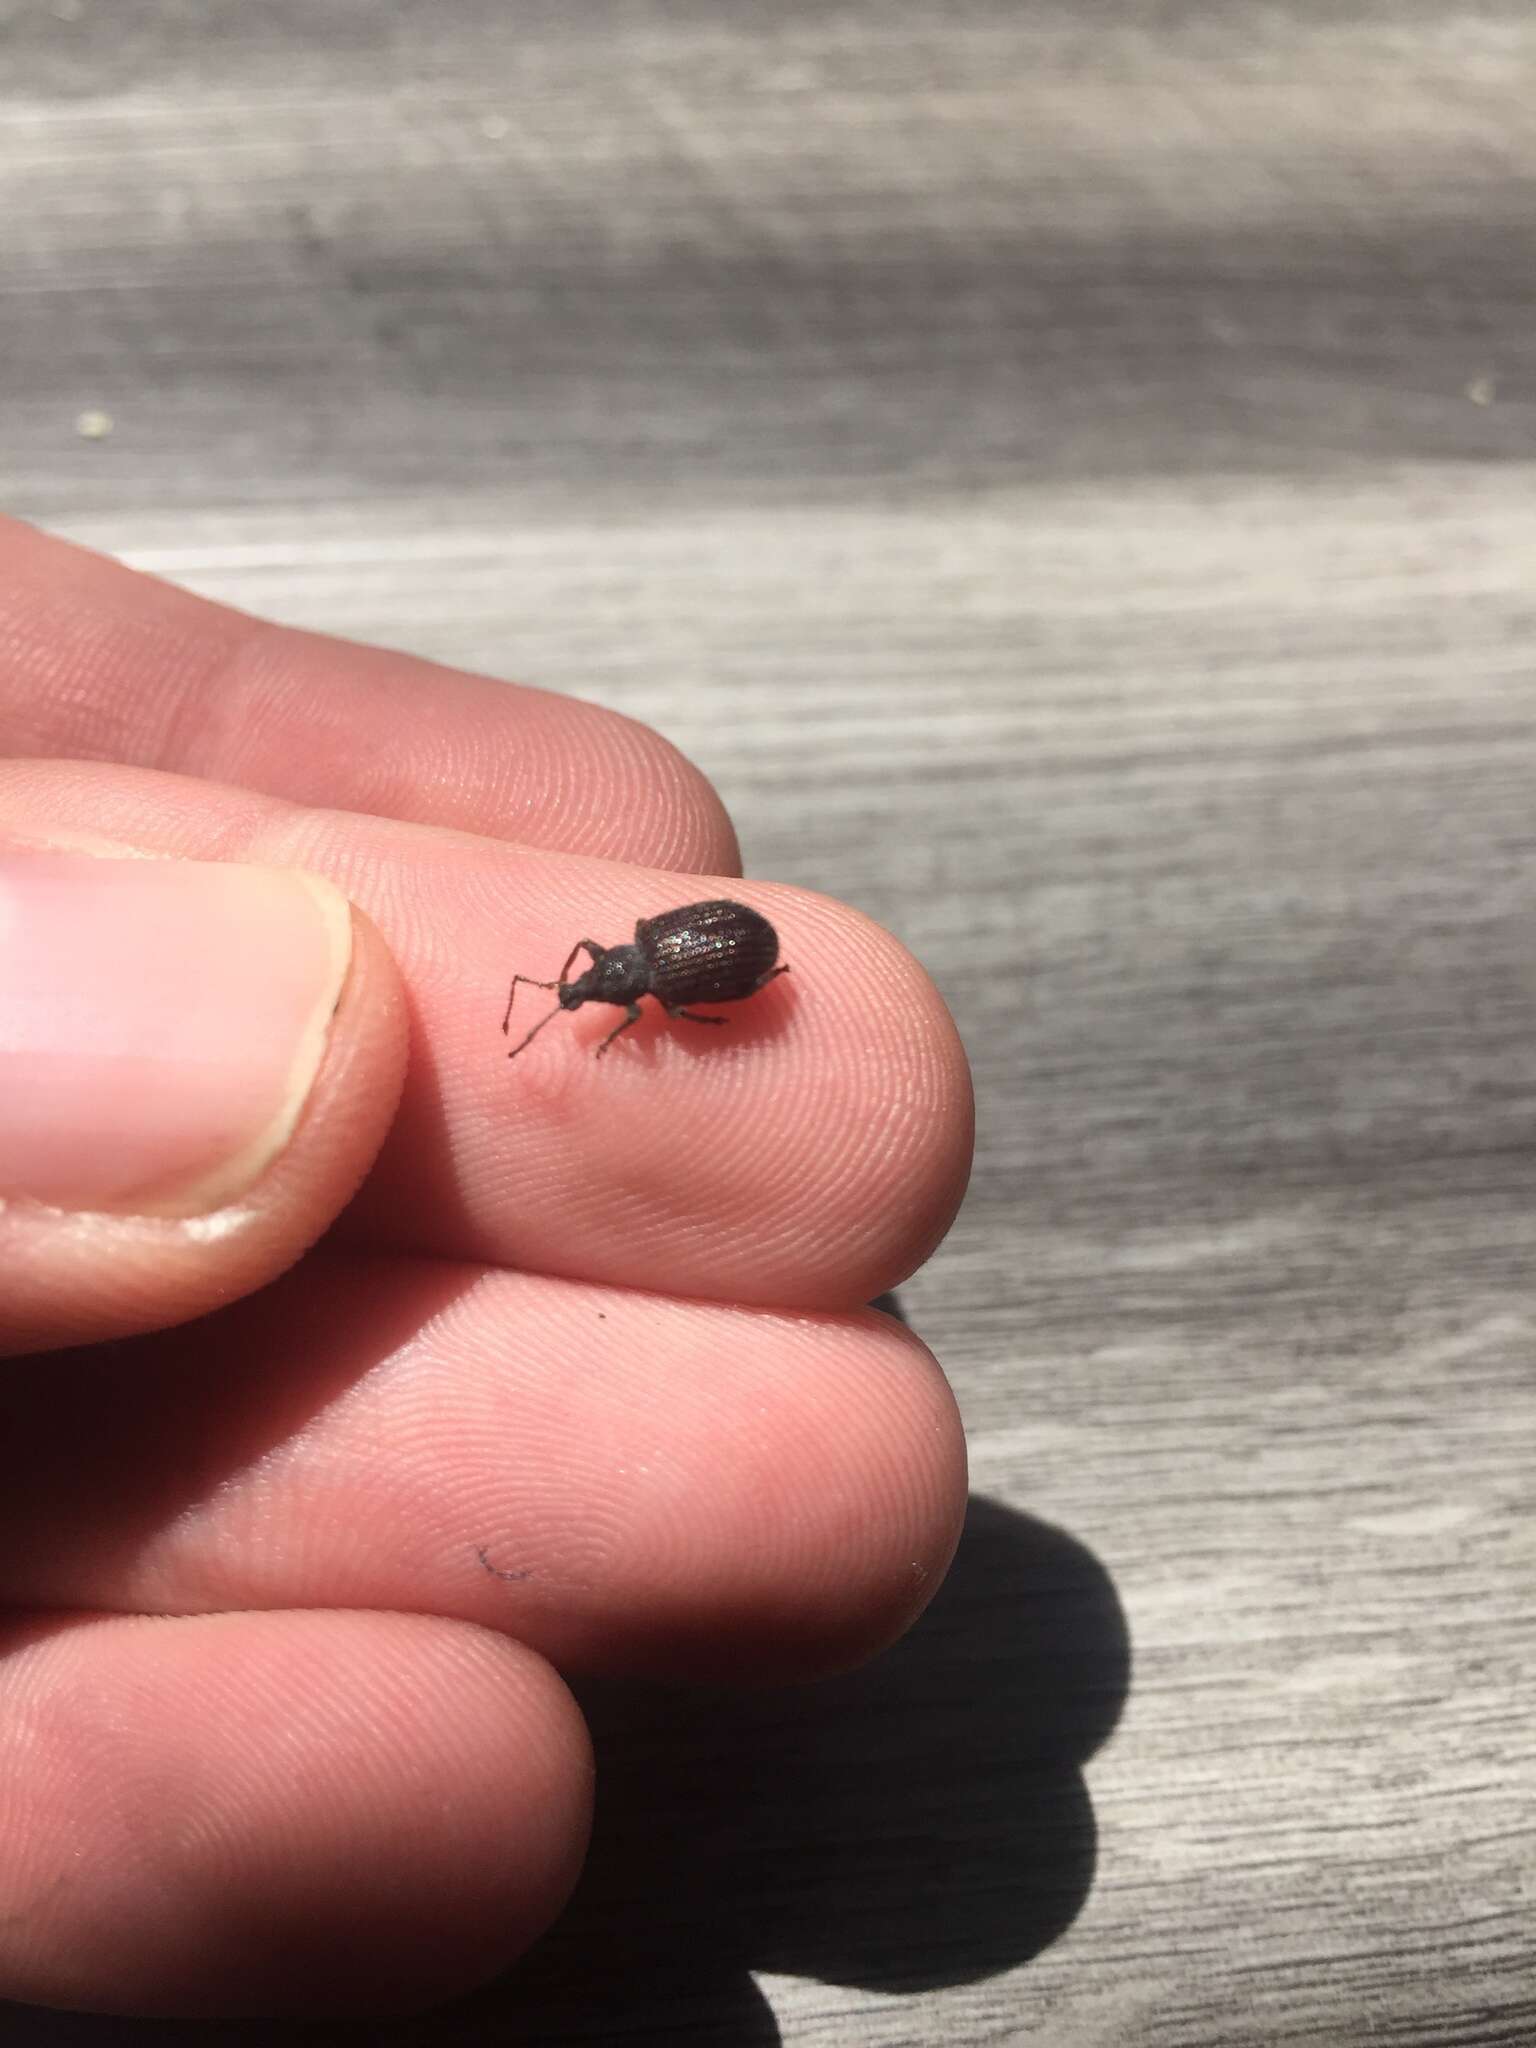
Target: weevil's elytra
point(716, 952)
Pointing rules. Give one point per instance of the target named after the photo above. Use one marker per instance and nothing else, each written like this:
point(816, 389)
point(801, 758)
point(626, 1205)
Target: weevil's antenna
point(512, 992)
point(512, 1055)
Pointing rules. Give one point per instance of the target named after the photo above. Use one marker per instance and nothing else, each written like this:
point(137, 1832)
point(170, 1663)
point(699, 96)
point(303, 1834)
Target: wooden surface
point(1066, 470)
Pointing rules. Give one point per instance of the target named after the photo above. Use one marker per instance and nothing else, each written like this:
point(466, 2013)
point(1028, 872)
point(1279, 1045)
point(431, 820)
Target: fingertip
point(789, 1513)
point(904, 1176)
point(646, 776)
point(871, 1510)
point(841, 1154)
point(285, 1812)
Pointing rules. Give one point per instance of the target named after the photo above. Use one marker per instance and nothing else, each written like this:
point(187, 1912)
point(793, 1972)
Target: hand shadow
point(919, 1823)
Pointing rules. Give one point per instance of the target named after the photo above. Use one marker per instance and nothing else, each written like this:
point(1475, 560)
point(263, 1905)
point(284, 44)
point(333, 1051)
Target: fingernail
point(161, 1024)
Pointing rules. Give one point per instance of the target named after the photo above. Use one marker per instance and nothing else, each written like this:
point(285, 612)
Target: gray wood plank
point(1067, 473)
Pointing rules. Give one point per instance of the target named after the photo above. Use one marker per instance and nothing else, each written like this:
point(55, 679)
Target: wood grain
point(1066, 471)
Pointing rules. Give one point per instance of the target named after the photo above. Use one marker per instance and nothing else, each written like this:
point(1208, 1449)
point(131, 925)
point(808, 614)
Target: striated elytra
point(717, 952)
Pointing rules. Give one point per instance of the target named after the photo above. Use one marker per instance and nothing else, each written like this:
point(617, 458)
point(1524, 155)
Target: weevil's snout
point(574, 993)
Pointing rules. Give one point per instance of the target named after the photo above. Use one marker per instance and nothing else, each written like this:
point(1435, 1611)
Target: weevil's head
point(584, 989)
point(619, 976)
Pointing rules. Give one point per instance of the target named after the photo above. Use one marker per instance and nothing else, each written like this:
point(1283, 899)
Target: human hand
point(578, 1382)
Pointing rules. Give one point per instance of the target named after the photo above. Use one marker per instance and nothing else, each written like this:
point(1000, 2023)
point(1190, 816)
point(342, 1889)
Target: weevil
point(717, 952)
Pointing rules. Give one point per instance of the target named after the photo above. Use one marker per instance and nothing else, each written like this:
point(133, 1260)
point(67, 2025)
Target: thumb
point(198, 1062)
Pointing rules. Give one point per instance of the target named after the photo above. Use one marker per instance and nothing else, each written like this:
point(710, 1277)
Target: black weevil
point(719, 952)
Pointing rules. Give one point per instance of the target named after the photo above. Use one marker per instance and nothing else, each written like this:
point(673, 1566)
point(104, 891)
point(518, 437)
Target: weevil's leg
point(631, 1016)
point(772, 975)
point(547, 1017)
point(694, 1017)
point(592, 947)
point(512, 991)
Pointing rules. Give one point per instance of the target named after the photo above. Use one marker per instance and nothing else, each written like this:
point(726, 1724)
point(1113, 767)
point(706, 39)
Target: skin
point(578, 1380)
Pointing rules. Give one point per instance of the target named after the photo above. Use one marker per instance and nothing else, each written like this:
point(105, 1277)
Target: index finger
point(809, 1154)
point(98, 662)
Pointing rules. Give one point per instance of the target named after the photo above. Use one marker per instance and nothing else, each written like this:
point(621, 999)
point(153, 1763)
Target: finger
point(811, 1152)
point(100, 663)
point(198, 1062)
point(278, 1812)
point(626, 1483)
